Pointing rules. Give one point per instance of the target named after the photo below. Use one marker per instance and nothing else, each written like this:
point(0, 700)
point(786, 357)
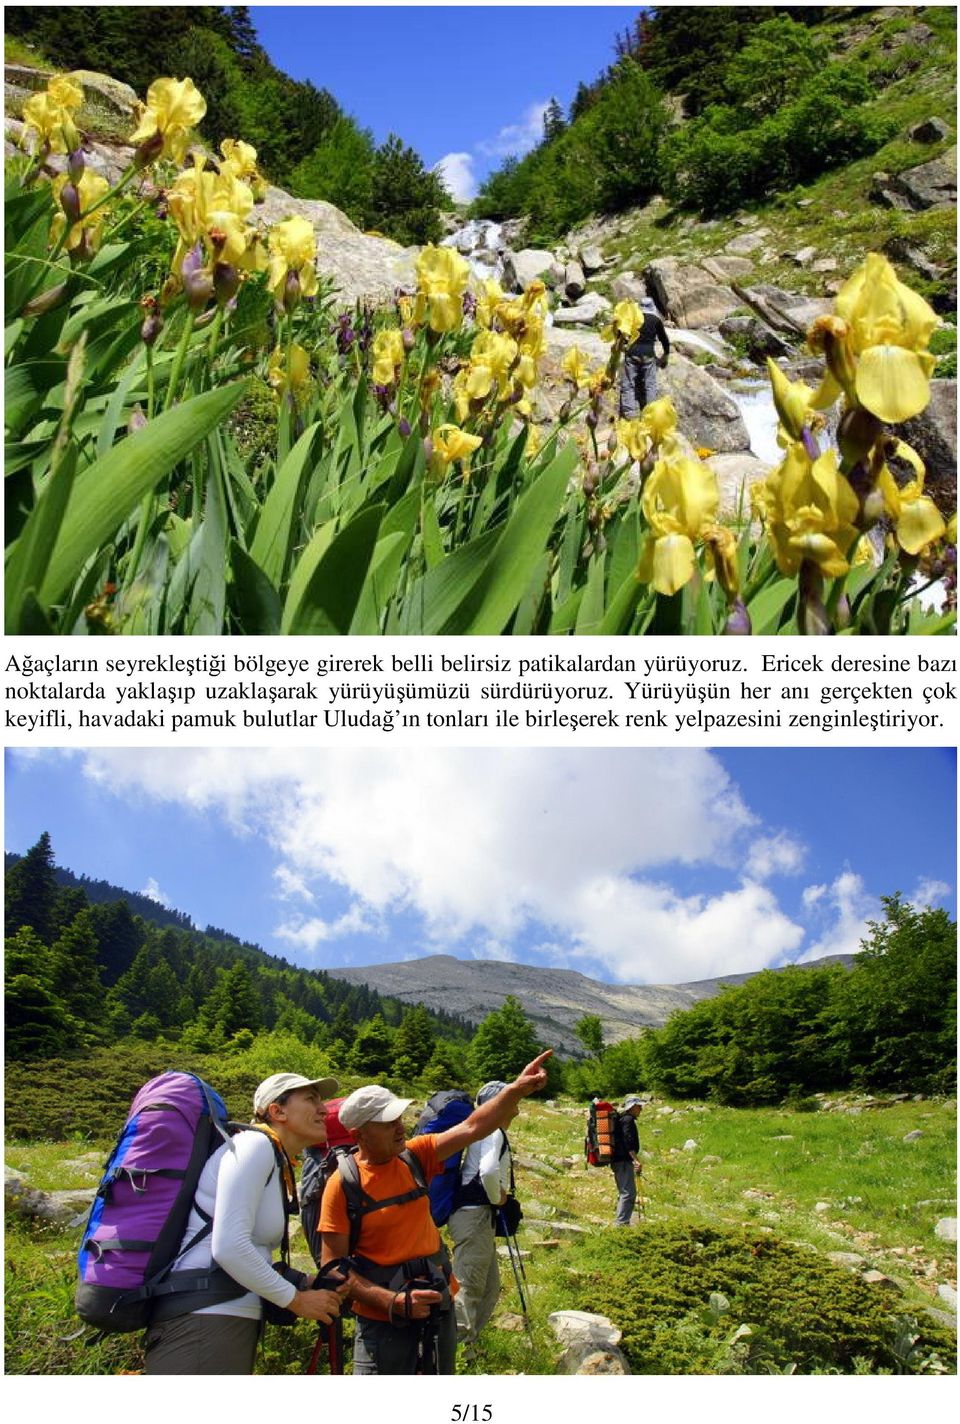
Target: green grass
point(768, 1246)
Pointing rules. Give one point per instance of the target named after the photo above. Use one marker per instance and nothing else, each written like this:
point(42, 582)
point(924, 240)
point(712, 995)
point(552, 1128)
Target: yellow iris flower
point(680, 503)
point(809, 509)
point(451, 444)
point(90, 189)
point(239, 158)
point(441, 282)
point(888, 331)
point(174, 107)
point(491, 295)
point(289, 372)
point(50, 113)
point(574, 367)
point(793, 401)
point(211, 208)
point(655, 424)
point(917, 520)
point(492, 358)
point(292, 247)
point(387, 356)
point(625, 322)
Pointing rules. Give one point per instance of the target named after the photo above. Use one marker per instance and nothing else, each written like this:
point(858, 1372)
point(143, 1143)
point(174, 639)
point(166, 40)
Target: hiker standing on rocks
point(638, 374)
point(247, 1187)
point(626, 1162)
point(485, 1178)
point(376, 1208)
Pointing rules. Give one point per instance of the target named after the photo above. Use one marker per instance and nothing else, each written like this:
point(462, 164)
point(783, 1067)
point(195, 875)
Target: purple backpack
point(131, 1241)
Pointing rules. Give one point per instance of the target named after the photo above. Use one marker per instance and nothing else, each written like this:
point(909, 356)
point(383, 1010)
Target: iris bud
point(70, 202)
point(738, 623)
point(151, 328)
point(76, 163)
point(291, 291)
point(226, 280)
point(149, 151)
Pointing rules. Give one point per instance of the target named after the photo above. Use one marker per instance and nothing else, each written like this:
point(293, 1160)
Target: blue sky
point(466, 84)
point(640, 866)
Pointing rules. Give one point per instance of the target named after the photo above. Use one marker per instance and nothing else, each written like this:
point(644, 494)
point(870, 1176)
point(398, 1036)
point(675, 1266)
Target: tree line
point(763, 106)
point(306, 143)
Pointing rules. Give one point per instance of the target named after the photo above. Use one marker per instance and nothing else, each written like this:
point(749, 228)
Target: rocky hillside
point(553, 999)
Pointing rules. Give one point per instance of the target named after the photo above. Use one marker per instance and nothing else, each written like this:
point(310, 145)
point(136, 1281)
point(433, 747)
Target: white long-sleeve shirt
point(490, 1160)
point(240, 1188)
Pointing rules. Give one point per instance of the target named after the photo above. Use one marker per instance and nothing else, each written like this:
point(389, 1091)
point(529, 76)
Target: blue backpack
point(444, 1110)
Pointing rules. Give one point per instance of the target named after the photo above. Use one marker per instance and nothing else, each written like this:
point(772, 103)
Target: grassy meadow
point(735, 1232)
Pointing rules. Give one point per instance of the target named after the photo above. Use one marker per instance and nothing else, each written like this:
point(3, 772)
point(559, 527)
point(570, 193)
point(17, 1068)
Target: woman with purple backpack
point(247, 1187)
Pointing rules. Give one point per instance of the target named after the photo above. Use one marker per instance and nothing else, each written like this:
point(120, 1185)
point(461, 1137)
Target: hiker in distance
point(638, 375)
point(485, 1181)
point(376, 1209)
point(247, 1186)
point(626, 1162)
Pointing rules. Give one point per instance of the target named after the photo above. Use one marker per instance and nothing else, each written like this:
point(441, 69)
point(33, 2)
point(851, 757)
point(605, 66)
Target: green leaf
point(621, 607)
point(521, 546)
point(253, 599)
point(209, 593)
point(435, 597)
point(766, 608)
point(331, 596)
point(431, 535)
point(275, 530)
point(590, 614)
point(106, 492)
point(25, 388)
point(28, 558)
point(305, 568)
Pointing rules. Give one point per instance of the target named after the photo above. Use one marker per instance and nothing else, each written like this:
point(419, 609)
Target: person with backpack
point(626, 1162)
point(376, 1210)
point(638, 374)
point(485, 1180)
point(246, 1191)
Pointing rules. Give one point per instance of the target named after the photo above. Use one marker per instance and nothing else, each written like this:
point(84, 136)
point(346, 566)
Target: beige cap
point(371, 1104)
point(275, 1087)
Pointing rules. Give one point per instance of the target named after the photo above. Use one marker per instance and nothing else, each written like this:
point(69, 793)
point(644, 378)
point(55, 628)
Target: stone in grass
point(946, 1228)
point(877, 1278)
point(822, 1206)
point(913, 1136)
point(509, 1322)
point(710, 1160)
point(591, 1343)
point(551, 1245)
point(848, 1259)
point(505, 1251)
point(948, 1294)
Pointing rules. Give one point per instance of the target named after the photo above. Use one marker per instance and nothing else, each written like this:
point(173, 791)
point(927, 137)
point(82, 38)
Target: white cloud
point(778, 854)
point(485, 845)
point(929, 893)
point(153, 892)
point(494, 949)
point(456, 170)
point(841, 911)
point(290, 885)
point(517, 139)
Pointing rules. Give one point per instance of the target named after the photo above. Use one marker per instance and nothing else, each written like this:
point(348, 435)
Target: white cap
point(371, 1104)
point(632, 1101)
point(647, 304)
point(275, 1087)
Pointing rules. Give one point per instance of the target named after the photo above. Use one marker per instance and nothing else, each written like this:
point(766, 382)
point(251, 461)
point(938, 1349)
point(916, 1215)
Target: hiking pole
point(514, 1262)
point(640, 1211)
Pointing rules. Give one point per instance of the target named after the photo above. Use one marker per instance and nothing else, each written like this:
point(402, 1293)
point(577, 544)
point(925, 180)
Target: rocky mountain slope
point(553, 999)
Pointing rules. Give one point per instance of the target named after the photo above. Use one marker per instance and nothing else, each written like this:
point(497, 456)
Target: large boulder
point(111, 161)
point(591, 1343)
point(754, 336)
point(723, 268)
point(688, 295)
point(526, 266)
point(784, 311)
point(708, 415)
point(362, 268)
point(931, 130)
point(933, 434)
point(929, 185)
point(627, 287)
point(574, 281)
point(591, 258)
point(748, 242)
point(586, 311)
point(735, 474)
point(66, 1208)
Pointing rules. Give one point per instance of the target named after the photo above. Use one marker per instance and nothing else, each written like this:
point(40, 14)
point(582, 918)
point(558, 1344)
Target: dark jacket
point(653, 330)
point(627, 1138)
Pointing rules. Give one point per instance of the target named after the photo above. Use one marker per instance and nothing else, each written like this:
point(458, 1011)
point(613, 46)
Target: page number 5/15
point(471, 1414)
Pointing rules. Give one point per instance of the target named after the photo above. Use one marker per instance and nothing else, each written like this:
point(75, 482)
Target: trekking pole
point(515, 1262)
point(640, 1211)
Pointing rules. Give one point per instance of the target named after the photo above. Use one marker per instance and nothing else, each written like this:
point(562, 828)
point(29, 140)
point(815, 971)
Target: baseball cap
point(489, 1090)
point(279, 1083)
point(632, 1101)
point(371, 1104)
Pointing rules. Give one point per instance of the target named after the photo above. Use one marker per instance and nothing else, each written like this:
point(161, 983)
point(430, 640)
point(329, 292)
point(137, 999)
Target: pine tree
point(77, 981)
point(589, 1030)
point(414, 1040)
point(372, 1050)
point(406, 199)
point(503, 1044)
point(31, 890)
point(553, 121)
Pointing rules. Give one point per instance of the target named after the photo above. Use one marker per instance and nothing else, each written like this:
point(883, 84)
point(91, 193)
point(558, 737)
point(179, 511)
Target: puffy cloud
point(456, 171)
point(930, 893)
point(153, 892)
point(290, 885)
point(779, 854)
point(841, 911)
point(481, 847)
point(517, 139)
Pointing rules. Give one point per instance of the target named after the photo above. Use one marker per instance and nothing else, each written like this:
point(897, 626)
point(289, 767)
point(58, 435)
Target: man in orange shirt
point(376, 1208)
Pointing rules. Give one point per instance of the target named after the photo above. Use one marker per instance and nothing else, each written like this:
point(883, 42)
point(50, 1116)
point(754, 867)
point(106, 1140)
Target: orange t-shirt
point(394, 1233)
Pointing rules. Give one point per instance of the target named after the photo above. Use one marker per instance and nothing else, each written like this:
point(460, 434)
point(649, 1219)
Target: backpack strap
point(360, 1203)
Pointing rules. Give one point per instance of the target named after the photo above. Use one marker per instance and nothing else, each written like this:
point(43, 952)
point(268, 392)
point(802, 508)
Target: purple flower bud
point(226, 280)
point(291, 291)
point(809, 443)
point(70, 202)
point(738, 623)
point(151, 328)
point(136, 421)
point(149, 151)
point(404, 427)
point(76, 163)
point(469, 304)
point(409, 340)
point(591, 420)
point(428, 449)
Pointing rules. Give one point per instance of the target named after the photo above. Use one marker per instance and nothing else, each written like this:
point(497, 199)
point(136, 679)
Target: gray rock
point(110, 92)
point(627, 287)
point(599, 1362)
point(710, 1160)
point(941, 1317)
point(586, 1336)
point(756, 336)
point(555, 274)
point(688, 295)
point(948, 1294)
point(946, 1229)
point(533, 1164)
point(574, 281)
point(723, 268)
point(784, 311)
point(708, 417)
point(849, 1259)
point(509, 1322)
point(748, 242)
point(801, 258)
point(913, 1136)
point(825, 264)
point(821, 1206)
point(933, 434)
point(590, 306)
point(690, 1145)
point(522, 268)
point(877, 1278)
point(591, 258)
point(55, 1208)
point(929, 185)
point(930, 131)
